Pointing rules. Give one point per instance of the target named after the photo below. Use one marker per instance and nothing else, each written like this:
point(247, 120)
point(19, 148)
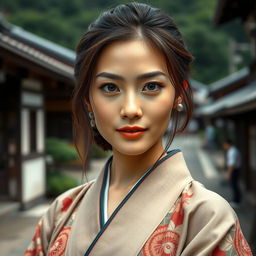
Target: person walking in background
point(233, 163)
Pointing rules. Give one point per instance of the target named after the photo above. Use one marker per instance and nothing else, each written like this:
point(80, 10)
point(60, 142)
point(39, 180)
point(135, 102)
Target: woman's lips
point(131, 132)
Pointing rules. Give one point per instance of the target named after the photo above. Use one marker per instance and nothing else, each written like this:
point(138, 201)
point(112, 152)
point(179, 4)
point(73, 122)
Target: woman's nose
point(131, 107)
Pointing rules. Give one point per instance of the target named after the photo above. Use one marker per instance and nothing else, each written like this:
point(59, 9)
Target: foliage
point(58, 182)
point(60, 151)
point(200, 35)
point(64, 22)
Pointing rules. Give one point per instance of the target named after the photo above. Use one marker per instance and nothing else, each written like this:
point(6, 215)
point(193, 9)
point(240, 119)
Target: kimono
point(165, 213)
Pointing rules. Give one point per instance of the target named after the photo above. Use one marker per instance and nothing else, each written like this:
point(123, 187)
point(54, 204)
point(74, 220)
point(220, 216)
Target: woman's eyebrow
point(151, 75)
point(139, 77)
point(110, 75)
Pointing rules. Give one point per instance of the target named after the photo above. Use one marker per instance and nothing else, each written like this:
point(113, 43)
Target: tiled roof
point(237, 98)
point(37, 49)
point(226, 81)
point(52, 47)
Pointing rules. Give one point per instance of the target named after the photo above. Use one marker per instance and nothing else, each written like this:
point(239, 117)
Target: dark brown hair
point(127, 22)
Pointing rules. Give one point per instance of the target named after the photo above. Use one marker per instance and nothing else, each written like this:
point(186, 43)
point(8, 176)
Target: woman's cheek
point(162, 110)
point(104, 117)
point(161, 115)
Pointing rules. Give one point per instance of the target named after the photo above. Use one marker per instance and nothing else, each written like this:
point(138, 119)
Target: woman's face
point(132, 97)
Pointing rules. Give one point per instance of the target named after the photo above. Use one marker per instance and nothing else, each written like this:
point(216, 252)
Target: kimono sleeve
point(40, 241)
point(214, 230)
point(49, 223)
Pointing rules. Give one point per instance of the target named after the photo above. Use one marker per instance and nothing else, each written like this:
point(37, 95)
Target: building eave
point(239, 101)
point(36, 56)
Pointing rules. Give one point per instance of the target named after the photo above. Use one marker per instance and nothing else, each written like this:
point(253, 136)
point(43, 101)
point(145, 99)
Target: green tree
point(65, 21)
point(213, 50)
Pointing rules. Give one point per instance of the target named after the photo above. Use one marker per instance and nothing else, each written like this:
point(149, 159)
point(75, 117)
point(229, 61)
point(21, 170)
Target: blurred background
point(37, 53)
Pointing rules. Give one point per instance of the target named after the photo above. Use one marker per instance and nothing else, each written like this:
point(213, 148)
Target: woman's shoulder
point(206, 203)
point(75, 191)
point(206, 224)
point(68, 199)
point(55, 218)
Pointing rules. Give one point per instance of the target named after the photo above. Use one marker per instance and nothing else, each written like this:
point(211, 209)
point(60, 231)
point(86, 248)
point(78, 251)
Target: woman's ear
point(177, 101)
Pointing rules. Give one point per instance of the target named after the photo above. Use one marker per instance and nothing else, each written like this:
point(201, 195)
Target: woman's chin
point(130, 150)
point(133, 149)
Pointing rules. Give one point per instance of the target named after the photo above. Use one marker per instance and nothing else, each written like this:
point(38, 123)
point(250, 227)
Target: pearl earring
point(92, 120)
point(180, 107)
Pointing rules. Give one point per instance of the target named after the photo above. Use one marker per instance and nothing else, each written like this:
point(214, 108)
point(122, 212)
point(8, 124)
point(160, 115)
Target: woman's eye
point(152, 87)
point(109, 88)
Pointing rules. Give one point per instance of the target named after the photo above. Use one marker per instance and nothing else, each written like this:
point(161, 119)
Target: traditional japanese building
point(233, 105)
point(36, 82)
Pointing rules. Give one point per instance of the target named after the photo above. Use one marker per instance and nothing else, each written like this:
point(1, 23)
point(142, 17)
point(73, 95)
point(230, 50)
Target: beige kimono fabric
point(168, 214)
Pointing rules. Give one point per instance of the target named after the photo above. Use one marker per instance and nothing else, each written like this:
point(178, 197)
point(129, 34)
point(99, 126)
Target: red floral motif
point(38, 232)
point(35, 247)
point(218, 252)
point(66, 202)
point(241, 244)
point(186, 197)
point(59, 246)
point(162, 242)
point(178, 215)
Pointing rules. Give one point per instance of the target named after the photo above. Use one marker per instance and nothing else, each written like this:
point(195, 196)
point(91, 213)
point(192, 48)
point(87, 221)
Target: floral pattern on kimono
point(59, 245)
point(165, 239)
point(169, 238)
point(233, 243)
point(35, 247)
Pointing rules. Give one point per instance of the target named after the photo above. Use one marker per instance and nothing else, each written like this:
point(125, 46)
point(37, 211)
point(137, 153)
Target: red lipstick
point(131, 132)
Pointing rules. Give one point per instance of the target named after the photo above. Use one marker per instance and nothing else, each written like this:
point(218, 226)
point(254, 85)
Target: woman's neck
point(127, 169)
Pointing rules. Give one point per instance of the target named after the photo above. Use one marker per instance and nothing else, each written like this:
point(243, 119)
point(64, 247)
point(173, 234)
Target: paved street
point(15, 232)
point(17, 229)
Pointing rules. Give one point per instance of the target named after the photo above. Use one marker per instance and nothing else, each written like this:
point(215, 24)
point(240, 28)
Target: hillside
point(64, 21)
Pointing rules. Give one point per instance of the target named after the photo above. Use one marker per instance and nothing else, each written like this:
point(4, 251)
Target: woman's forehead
point(133, 55)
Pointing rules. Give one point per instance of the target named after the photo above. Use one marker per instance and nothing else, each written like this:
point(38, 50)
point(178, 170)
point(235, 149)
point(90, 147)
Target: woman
point(131, 71)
